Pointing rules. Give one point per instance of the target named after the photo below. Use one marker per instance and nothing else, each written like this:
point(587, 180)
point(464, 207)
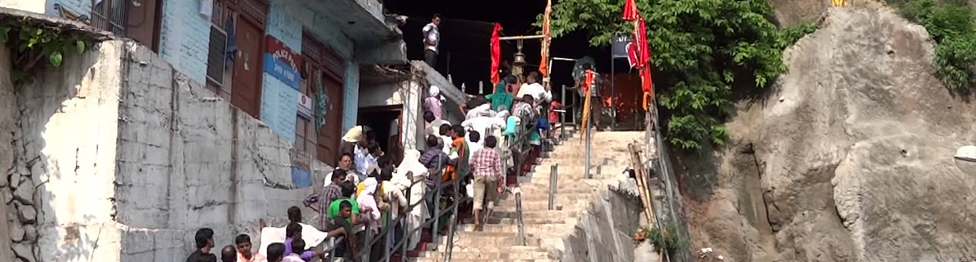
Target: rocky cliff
point(849, 157)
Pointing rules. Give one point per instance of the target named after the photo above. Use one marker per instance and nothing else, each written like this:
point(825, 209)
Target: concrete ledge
point(603, 232)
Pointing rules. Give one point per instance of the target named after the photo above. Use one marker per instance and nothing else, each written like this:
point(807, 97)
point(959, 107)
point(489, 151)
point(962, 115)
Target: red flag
point(638, 51)
point(544, 63)
point(630, 11)
point(496, 53)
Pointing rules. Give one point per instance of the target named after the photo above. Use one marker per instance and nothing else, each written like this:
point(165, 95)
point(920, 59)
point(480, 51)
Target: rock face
point(848, 158)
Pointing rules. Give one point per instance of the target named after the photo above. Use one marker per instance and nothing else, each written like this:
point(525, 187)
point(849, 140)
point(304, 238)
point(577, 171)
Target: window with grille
point(110, 15)
point(218, 67)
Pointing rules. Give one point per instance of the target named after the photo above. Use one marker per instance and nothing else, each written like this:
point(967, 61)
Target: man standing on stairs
point(486, 166)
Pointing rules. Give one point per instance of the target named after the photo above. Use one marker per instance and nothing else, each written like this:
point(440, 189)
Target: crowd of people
point(464, 164)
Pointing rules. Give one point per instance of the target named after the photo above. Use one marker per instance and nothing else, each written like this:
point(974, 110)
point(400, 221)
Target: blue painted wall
point(350, 96)
point(80, 6)
point(184, 38)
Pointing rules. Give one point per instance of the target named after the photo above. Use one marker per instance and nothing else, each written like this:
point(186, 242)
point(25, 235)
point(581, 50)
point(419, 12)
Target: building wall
point(184, 37)
point(36, 6)
point(350, 96)
point(184, 32)
point(65, 148)
point(406, 94)
point(286, 21)
point(130, 157)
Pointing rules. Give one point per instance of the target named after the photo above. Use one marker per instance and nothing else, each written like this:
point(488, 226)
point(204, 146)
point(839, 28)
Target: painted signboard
point(281, 62)
point(279, 106)
point(279, 93)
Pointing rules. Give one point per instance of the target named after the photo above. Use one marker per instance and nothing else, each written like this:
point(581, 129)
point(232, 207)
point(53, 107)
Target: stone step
point(563, 184)
point(535, 230)
point(457, 255)
point(530, 221)
point(509, 205)
point(487, 239)
point(543, 179)
point(534, 214)
point(560, 198)
point(427, 259)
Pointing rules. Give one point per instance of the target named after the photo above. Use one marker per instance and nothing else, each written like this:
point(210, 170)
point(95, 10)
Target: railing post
point(332, 252)
point(453, 220)
point(552, 186)
point(390, 235)
point(562, 115)
point(589, 138)
point(406, 223)
point(436, 213)
point(367, 247)
point(518, 211)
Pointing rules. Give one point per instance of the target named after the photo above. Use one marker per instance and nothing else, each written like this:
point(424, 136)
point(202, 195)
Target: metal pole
point(562, 115)
point(589, 138)
point(613, 91)
point(453, 220)
point(481, 87)
point(436, 213)
point(552, 186)
point(389, 236)
point(521, 37)
point(406, 225)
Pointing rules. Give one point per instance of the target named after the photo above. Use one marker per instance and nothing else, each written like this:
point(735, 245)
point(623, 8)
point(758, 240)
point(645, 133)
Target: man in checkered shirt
point(486, 166)
point(320, 201)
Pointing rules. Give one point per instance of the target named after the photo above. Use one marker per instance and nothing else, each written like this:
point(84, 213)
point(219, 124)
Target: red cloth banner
point(496, 53)
point(638, 51)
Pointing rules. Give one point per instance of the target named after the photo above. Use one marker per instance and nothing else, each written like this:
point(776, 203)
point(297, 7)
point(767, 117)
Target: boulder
point(26, 213)
point(23, 251)
point(25, 192)
point(14, 179)
point(16, 231)
point(30, 233)
point(6, 194)
point(849, 157)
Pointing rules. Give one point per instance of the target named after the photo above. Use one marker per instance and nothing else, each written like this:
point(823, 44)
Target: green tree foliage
point(700, 50)
point(951, 25)
point(31, 43)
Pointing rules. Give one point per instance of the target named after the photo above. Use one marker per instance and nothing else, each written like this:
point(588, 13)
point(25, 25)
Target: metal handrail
point(434, 194)
point(519, 156)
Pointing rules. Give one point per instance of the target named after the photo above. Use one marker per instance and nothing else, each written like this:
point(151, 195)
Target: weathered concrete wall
point(208, 164)
point(604, 232)
point(129, 157)
point(64, 167)
point(8, 126)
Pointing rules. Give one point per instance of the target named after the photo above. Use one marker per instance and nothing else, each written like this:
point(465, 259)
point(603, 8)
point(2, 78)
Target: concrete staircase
point(545, 229)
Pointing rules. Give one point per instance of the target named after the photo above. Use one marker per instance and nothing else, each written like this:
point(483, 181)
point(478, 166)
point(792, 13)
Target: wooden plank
point(641, 175)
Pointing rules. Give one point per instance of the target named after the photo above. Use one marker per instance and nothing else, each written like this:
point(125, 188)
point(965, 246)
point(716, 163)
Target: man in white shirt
point(536, 90)
point(432, 38)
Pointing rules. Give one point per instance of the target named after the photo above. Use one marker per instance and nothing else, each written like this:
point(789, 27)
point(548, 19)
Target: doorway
point(385, 122)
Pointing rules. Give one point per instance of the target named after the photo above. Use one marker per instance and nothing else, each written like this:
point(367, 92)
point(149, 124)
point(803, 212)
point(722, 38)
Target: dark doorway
point(385, 121)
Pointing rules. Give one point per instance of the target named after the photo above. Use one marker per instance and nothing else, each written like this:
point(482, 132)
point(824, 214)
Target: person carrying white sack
point(409, 178)
point(311, 235)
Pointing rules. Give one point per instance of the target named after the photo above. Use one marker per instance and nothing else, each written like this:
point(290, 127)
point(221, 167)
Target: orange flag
point(546, 40)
